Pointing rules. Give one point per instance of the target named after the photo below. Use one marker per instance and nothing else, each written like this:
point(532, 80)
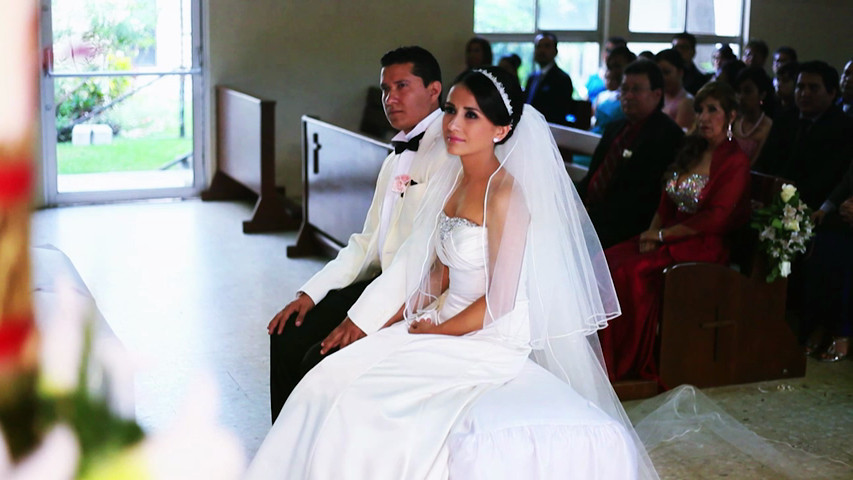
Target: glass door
point(121, 99)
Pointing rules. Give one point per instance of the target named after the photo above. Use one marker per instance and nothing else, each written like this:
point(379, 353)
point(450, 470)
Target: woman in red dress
point(706, 196)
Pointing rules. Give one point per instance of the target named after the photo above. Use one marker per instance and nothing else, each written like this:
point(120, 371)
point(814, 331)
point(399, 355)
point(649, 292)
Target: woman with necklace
point(753, 124)
point(677, 103)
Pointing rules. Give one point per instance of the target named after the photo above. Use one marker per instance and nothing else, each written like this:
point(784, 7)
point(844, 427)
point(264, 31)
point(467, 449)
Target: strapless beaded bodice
point(687, 194)
point(461, 248)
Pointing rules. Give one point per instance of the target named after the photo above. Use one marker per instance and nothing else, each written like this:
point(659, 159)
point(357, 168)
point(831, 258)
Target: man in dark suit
point(623, 186)
point(828, 272)
point(813, 147)
point(685, 44)
point(550, 89)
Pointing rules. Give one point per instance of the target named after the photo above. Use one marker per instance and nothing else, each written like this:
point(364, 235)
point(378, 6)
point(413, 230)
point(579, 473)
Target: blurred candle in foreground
point(18, 339)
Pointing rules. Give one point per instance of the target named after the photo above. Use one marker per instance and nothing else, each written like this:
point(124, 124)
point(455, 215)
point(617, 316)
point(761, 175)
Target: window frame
point(613, 20)
point(568, 36)
point(701, 39)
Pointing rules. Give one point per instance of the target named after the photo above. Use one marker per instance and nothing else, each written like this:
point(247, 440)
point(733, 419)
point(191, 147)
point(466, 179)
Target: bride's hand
point(423, 325)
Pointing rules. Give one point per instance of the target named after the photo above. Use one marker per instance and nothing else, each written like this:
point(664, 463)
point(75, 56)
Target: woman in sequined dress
point(706, 196)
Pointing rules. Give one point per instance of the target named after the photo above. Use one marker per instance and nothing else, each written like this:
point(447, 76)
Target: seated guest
point(846, 85)
point(606, 107)
point(729, 72)
point(706, 197)
point(623, 185)
point(783, 83)
point(478, 53)
point(646, 55)
point(755, 53)
point(814, 148)
point(755, 96)
point(595, 82)
point(783, 56)
point(721, 56)
point(511, 63)
point(550, 89)
point(828, 270)
point(677, 102)
point(694, 78)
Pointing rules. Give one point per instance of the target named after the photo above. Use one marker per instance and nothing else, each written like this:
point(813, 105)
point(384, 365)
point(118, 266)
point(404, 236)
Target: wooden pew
point(722, 326)
point(574, 141)
point(245, 161)
point(339, 171)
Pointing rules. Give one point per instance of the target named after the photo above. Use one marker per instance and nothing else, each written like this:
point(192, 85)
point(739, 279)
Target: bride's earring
point(729, 132)
point(496, 140)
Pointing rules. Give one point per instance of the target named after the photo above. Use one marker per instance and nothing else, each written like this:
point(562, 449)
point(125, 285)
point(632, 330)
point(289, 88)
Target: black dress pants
point(297, 349)
point(828, 285)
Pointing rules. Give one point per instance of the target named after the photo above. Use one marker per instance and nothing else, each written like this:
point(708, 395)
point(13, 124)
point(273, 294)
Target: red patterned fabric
point(600, 181)
point(628, 342)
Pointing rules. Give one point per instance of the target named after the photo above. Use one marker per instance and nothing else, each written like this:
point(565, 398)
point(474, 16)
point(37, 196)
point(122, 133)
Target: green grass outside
point(123, 155)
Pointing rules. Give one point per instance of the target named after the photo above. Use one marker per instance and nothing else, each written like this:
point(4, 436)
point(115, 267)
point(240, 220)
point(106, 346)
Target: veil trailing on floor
point(547, 278)
point(686, 429)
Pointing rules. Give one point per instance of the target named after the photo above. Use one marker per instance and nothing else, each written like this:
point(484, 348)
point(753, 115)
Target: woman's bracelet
point(660, 235)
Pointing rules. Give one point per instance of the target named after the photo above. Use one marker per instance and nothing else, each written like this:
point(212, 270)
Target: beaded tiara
point(500, 88)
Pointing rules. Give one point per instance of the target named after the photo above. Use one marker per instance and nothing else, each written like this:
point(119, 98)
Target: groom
point(354, 294)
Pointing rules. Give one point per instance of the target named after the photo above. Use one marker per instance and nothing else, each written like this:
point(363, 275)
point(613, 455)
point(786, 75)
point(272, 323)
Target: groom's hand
point(344, 334)
point(299, 306)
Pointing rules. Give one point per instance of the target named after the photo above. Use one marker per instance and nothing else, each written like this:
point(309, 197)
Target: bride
point(506, 266)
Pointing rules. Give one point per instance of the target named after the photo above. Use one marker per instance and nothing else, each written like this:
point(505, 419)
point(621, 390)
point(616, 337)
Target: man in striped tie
point(623, 186)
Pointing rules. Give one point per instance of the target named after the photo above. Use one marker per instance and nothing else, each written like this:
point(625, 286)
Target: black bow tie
point(413, 144)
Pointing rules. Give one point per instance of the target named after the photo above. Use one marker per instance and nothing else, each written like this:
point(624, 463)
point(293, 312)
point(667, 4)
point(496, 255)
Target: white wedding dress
point(396, 405)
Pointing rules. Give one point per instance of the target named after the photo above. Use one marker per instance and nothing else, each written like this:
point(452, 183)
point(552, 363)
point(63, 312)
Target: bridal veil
point(545, 265)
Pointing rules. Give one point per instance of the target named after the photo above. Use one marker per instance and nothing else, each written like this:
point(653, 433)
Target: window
point(511, 27)
point(653, 22)
point(699, 17)
point(704, 52)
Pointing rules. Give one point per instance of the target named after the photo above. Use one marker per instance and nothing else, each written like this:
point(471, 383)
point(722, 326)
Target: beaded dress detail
point(447, 224)
point(688, 193)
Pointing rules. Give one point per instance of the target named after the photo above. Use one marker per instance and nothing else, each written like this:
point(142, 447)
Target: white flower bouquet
point(784, 227)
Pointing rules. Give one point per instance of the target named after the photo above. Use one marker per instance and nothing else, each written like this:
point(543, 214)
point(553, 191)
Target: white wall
point(319, 57)
point(817, 29)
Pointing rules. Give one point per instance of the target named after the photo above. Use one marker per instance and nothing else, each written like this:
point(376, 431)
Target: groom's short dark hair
point(424, 64)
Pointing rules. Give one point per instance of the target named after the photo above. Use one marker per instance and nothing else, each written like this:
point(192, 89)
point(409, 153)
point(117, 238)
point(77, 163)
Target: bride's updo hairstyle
point(485, 84)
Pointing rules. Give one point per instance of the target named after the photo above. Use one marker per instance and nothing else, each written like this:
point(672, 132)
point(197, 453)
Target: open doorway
point(122, 99)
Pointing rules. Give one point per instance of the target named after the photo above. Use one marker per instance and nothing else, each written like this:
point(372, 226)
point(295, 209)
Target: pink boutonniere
point(401, 183)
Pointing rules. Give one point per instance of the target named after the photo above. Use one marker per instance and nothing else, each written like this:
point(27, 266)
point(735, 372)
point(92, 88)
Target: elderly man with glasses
point(623, 186)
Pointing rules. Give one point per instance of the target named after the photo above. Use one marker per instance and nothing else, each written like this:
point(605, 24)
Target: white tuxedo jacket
point(360, 259)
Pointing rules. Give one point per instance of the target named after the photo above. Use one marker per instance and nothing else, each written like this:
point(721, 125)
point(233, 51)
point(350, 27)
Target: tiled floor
point(183, 287)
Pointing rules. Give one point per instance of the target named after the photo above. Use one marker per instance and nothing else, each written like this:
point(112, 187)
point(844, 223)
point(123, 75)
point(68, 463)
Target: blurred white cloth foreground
point(55, 284)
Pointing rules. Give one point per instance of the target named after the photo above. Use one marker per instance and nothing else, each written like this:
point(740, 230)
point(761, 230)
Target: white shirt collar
point(547, 68)
point(419, 128)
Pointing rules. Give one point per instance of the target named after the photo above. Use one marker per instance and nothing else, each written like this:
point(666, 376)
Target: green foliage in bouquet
point(101, 433)
point(784, 226)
